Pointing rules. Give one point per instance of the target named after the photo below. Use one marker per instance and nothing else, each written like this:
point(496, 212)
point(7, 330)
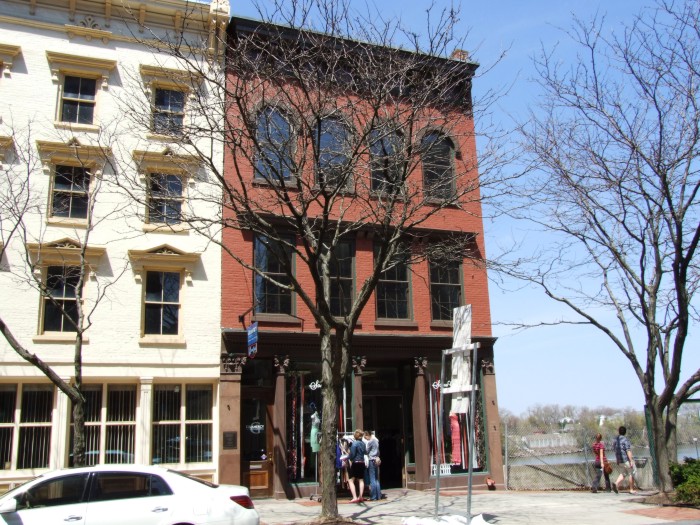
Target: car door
point(129, 497)
point(57, 500)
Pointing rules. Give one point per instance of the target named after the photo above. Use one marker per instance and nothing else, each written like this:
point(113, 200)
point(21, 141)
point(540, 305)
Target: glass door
point(256, 423)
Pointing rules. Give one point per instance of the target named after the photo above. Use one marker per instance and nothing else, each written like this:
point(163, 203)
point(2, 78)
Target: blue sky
point(562, 365)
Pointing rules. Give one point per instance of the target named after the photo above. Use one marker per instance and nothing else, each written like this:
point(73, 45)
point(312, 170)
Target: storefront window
point(182, 414)
point(109, 411)
point(304, 407)
point(452, 443)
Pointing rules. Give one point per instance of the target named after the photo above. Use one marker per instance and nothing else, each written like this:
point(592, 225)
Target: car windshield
point(198, 480)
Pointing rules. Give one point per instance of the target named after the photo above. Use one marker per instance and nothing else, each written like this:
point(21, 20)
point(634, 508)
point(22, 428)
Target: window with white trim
point(71, 166)
point(79, 79)
point(60, 306)
point(162, 271)
point(70, 195)
point(26, 412)
point(162, 303)
point(182, 423)
point(168, 111)
point(168, 90)
point(166, 177)
point(110, 424)
point(165, 198)
point(78, 99)
point(62, 263)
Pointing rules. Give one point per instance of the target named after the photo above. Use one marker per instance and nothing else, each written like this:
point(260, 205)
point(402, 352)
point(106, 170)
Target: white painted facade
point(42, 42)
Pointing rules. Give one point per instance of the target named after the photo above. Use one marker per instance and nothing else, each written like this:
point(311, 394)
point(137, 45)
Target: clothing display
point(456, 440)
point(314, 437)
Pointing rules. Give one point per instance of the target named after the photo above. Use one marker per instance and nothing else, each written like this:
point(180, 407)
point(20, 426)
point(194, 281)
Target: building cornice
point(210, 19)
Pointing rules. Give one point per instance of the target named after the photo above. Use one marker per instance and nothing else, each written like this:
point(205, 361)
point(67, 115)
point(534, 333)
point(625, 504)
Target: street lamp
point(695, 440)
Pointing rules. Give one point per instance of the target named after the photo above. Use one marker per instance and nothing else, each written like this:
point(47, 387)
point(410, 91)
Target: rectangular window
point(25, 416)
point(69, 197)
point(393, 291)
point(110, 424)
point(8, 401)
point(168, 111)
point(162, 303)
point(78, 102)
point(182, 414)
point(36, 409)
point(60, 302)
point(445, 288)
point(269, 256)
point(164, 198)
point(341, 274)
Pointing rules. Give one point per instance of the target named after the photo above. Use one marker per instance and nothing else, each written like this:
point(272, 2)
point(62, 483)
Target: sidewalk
point(500, 507)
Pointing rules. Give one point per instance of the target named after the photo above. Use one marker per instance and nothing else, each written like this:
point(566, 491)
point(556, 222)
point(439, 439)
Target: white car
point(125, 494)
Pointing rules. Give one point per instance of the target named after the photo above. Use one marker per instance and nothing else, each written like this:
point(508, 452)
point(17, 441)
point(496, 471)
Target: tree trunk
point(671, 432)
point(658, 430)
point(79, 433)
point(329, 426)
point(78, 404)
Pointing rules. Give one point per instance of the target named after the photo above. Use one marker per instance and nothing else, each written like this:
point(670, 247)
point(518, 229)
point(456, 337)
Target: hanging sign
point(252, 339)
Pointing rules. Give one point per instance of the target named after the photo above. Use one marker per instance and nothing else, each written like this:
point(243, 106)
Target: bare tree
point(327, 137)
point(613, 151)
point(59, 269)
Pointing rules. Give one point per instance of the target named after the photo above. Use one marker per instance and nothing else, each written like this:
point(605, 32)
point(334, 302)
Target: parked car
point(119, 494)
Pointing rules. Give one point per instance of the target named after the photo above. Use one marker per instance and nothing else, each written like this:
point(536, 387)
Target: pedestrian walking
point(623, 455)
point(602, 466)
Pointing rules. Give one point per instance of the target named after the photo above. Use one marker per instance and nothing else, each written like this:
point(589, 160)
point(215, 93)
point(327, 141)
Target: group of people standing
point(623, 457)
point(361, 458)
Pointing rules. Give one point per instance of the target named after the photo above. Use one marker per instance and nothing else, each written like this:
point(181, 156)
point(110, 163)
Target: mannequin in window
point(315, 425)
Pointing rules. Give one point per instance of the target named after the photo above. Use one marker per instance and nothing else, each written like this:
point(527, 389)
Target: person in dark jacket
point(357, 466)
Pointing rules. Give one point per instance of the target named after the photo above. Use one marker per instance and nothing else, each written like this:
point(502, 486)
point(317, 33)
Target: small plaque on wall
point(230, 440)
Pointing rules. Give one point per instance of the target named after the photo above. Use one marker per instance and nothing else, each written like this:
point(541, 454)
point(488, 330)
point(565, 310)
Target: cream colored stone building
point(93, 186)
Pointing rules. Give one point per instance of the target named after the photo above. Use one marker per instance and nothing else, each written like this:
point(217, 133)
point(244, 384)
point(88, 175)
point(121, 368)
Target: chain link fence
point(560, 457)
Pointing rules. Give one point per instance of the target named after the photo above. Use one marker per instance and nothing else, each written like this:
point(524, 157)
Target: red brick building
point(269, 403)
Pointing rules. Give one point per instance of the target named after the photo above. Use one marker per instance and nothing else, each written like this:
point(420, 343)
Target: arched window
point(332, 139)
point(437, 153)
point(274, 156)
point(386, 159)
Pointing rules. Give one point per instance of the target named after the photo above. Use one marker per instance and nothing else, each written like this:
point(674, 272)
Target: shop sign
point(255, 428)
point(252, 339)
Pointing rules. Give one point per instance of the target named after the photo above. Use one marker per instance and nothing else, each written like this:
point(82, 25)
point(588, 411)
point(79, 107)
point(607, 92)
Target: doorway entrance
point(383, 414)
point(256, 446)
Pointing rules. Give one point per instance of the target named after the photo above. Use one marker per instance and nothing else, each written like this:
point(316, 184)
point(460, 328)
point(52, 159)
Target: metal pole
point(472, 434)
point(439, 435)
point(506, 454)
point(585, 459)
